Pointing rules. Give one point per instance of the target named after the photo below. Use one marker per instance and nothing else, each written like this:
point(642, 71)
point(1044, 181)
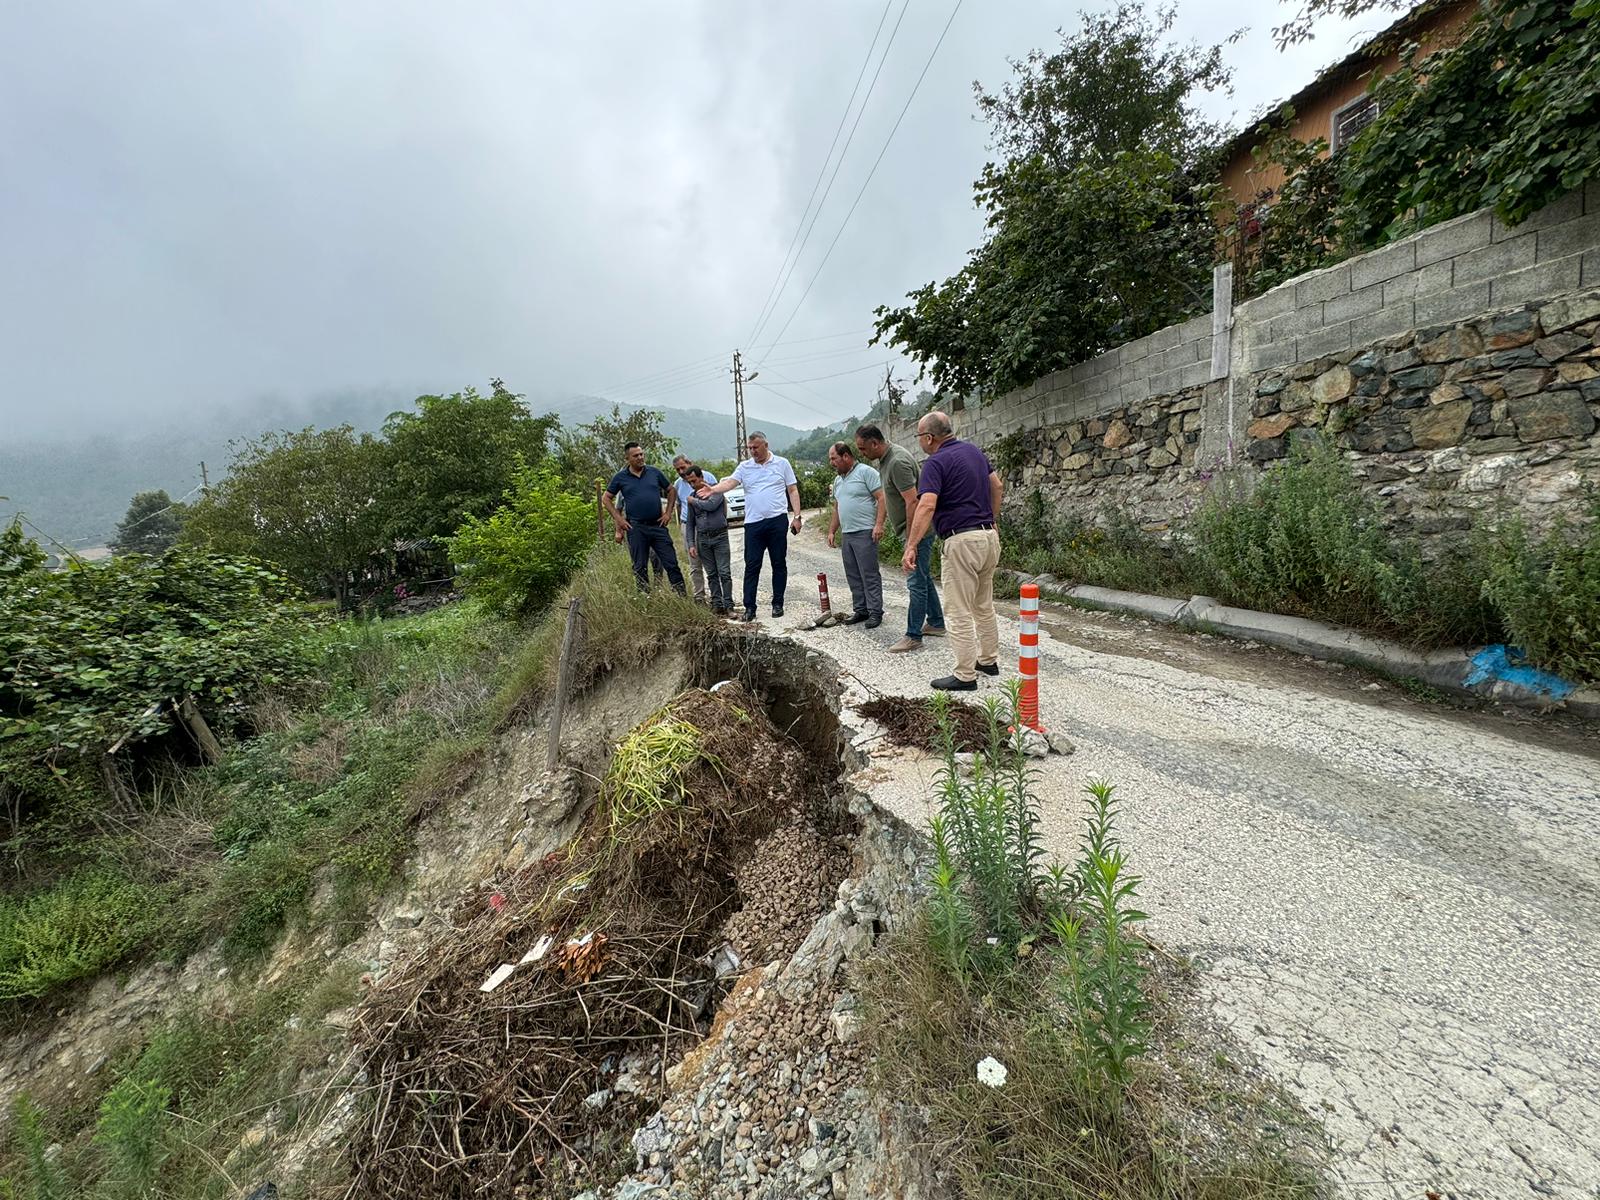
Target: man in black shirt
point(644, 518)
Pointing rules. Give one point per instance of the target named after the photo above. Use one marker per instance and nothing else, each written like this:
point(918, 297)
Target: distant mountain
point(77, 490)
point(699, 432)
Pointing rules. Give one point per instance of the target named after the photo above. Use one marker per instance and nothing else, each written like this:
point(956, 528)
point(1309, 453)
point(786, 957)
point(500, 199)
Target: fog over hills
point(76, 489)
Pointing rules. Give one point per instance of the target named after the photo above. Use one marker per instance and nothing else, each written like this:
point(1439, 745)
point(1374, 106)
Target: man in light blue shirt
point(858, 515)
point(697, 569)
point(771, 513)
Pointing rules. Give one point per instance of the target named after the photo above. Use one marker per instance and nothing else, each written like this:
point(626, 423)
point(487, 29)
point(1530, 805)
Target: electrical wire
point(875, 164)
point(828, 190)
point(773, 290)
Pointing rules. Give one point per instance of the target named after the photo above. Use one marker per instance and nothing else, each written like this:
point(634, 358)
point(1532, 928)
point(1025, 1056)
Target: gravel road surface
point(1393, 903)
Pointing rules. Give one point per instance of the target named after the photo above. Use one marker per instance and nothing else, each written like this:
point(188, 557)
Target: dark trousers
point(769, 537)
point(716, 557)
point(925, 608)
point(861, 572)
point(652, 540)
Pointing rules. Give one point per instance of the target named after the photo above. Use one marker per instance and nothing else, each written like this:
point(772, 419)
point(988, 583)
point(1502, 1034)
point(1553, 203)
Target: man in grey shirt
point(858, 515)
point(706, 532)
point(925, 616)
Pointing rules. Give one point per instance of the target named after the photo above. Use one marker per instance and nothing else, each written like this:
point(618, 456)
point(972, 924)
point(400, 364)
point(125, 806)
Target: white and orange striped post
point(1028, 657)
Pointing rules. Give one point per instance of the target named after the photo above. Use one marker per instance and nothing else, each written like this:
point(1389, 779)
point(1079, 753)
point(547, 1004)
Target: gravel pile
point(790, 881)
point(771, 1110)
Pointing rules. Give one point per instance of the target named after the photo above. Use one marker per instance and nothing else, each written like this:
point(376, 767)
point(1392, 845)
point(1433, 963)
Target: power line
point(889, 45)
point(772, 292)
point(785, 396)
point(837, 165)
point(886, 142)
point(837, 374)
point(714, 361)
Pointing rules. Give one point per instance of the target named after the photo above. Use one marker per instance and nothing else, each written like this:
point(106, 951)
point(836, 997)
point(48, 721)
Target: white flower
point(992, 1072)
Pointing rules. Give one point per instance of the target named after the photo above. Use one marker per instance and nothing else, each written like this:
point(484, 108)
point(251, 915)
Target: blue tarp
point(1505, 664)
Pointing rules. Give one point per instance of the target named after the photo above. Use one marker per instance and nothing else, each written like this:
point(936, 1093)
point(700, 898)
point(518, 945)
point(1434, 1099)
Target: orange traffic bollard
point(1028, 657)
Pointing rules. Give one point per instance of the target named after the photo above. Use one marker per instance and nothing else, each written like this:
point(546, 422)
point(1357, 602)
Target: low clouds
point(208, 203)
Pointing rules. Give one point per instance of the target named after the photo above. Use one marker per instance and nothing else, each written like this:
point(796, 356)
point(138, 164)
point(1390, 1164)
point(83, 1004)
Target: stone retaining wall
point(1457, 369)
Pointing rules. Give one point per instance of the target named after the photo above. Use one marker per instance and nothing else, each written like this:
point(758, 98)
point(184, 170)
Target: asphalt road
point(1393, 903)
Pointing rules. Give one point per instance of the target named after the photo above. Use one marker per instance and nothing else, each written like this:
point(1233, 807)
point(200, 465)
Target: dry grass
point(620, 629)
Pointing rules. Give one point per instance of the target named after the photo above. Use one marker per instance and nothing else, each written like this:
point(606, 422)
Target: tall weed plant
point(1307, 542)
point(989, 823)
point(1547, 592)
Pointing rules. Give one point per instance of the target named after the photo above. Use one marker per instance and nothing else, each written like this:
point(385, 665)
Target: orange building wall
point(1244, 180)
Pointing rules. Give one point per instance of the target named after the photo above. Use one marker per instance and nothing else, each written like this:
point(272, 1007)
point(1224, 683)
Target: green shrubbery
point(76, 928)
point(1547, 592)
point(98, 656)
point(1043, 969)
point(172, 1112)
point(519, 557)
point(1309, 542)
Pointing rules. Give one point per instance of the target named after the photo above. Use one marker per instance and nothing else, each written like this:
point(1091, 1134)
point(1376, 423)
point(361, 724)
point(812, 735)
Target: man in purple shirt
point(958, 493)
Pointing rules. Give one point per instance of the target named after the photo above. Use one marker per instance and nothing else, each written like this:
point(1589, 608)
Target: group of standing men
point(954, 495)
point(771, 513)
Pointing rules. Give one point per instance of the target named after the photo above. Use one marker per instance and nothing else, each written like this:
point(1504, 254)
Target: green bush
point(133, 1116)
point(1113, 553)
point(40, 1177)
point(72, 930)
point(519, 557)
point(1308, 542)
point(1547, 591)
point(94, 655)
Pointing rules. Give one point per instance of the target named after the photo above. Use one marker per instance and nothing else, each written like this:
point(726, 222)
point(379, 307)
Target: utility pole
point(738, 407)
point(205, 480)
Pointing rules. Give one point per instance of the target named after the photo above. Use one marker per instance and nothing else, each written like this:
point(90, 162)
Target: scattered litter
point(497, 902)
point(724, 961)
point(540, 949)
point(499, 976)
point(992, 1072)
point(994, 941)
point(720, 684)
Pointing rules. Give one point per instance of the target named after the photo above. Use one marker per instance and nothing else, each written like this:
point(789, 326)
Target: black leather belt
point(945, 537)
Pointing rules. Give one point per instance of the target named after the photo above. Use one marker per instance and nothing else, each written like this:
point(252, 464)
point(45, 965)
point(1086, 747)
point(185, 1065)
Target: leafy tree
point(1509, 118)
point(455, 457)
point(594, 451)
point(307, 501)
point(519, 557)
point(99, 654)
point(1100, 225)
point(152, 524)
point(19, 553)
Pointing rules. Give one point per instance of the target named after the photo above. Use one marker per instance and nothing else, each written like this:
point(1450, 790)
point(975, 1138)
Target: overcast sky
point(206, 203)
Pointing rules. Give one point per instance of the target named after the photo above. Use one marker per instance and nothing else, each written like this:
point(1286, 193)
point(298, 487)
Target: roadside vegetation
point(1308, 542)
point(1024, 1017)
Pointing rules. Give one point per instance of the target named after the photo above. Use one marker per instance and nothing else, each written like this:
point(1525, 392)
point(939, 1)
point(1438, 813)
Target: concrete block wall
point(1456, 271)
point(1462, 268)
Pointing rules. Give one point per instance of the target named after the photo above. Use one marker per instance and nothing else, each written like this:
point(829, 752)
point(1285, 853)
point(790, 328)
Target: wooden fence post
point(558, 706)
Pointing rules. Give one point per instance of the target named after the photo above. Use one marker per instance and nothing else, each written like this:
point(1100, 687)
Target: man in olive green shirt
point(898, 471)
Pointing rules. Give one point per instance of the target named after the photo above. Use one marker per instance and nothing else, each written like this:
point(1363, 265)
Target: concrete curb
point(1487, 673)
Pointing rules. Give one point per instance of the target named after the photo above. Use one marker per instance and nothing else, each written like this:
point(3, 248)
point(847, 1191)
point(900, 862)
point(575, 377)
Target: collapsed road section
point(658, 1007)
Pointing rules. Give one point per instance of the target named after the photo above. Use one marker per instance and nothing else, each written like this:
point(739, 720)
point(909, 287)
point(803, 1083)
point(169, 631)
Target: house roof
point(1354, 64)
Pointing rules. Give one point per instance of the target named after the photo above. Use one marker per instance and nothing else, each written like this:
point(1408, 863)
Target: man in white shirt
point(771, 513)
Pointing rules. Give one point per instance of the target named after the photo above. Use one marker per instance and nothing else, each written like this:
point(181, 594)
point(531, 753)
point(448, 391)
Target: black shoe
point(777, 611)
point(990, 669)
point(874, 620)
point(951, 684)
point(853, 618)
point(749, 614)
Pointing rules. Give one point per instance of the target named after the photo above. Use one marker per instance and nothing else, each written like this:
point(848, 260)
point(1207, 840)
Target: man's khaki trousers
point(967, 575)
